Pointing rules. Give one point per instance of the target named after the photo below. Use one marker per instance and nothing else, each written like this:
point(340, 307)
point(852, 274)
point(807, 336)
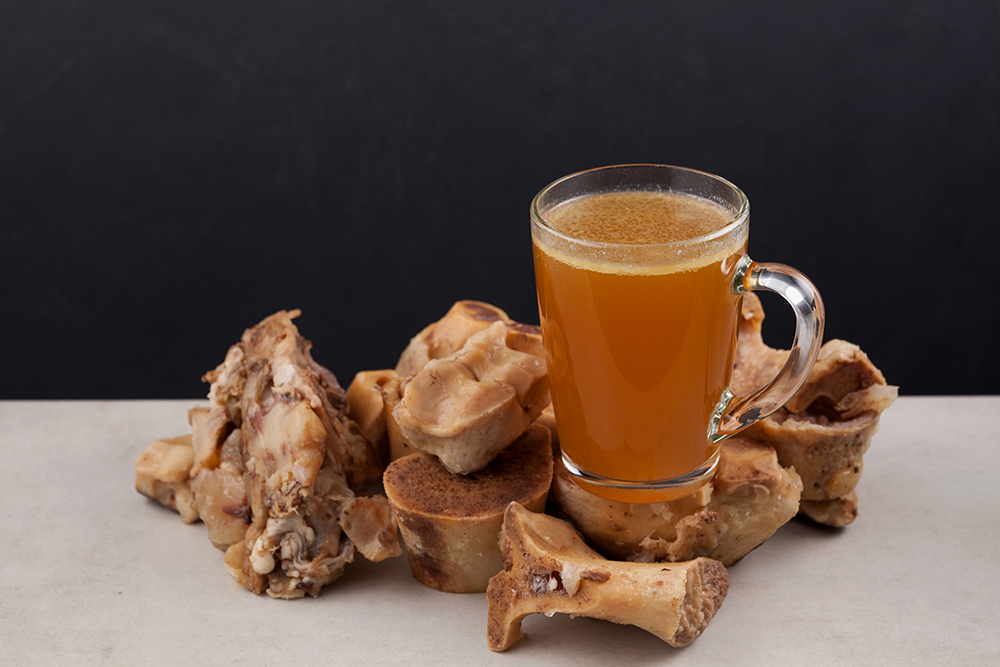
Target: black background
point(173, 171)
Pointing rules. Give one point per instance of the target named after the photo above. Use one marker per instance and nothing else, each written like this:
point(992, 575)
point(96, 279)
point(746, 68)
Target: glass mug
point(640, 270)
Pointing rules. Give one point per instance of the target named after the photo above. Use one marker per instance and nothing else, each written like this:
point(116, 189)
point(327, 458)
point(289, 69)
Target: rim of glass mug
point(654, 177)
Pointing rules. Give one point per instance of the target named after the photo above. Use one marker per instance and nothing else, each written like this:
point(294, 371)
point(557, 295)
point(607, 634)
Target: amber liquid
point(638, 354)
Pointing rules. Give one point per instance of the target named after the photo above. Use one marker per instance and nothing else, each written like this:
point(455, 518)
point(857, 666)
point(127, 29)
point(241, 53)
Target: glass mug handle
point(735, 414)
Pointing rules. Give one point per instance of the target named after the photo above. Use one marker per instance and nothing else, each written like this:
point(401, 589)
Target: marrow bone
point(549, 569)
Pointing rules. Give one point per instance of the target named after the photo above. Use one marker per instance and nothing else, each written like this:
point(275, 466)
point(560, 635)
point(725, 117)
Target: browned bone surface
point(549, 569)
point(473, 416)
point(275, 464)
point(367, 407)
point(392, 394)
point(825, 429)
point(451, 523)
point(750, 497)
point(466, 407)
point(446, 336)
point(162, 472)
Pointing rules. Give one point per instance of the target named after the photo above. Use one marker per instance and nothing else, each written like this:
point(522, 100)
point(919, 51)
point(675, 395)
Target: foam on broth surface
point(644, 230)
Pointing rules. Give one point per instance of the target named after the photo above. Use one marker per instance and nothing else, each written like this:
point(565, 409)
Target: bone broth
point(636, 325)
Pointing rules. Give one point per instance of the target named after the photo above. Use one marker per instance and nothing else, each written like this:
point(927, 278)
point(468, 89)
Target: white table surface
point(92, 573)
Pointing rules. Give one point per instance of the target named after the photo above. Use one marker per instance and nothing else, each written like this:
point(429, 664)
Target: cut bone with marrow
point(451, 523)
point(276, 465)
